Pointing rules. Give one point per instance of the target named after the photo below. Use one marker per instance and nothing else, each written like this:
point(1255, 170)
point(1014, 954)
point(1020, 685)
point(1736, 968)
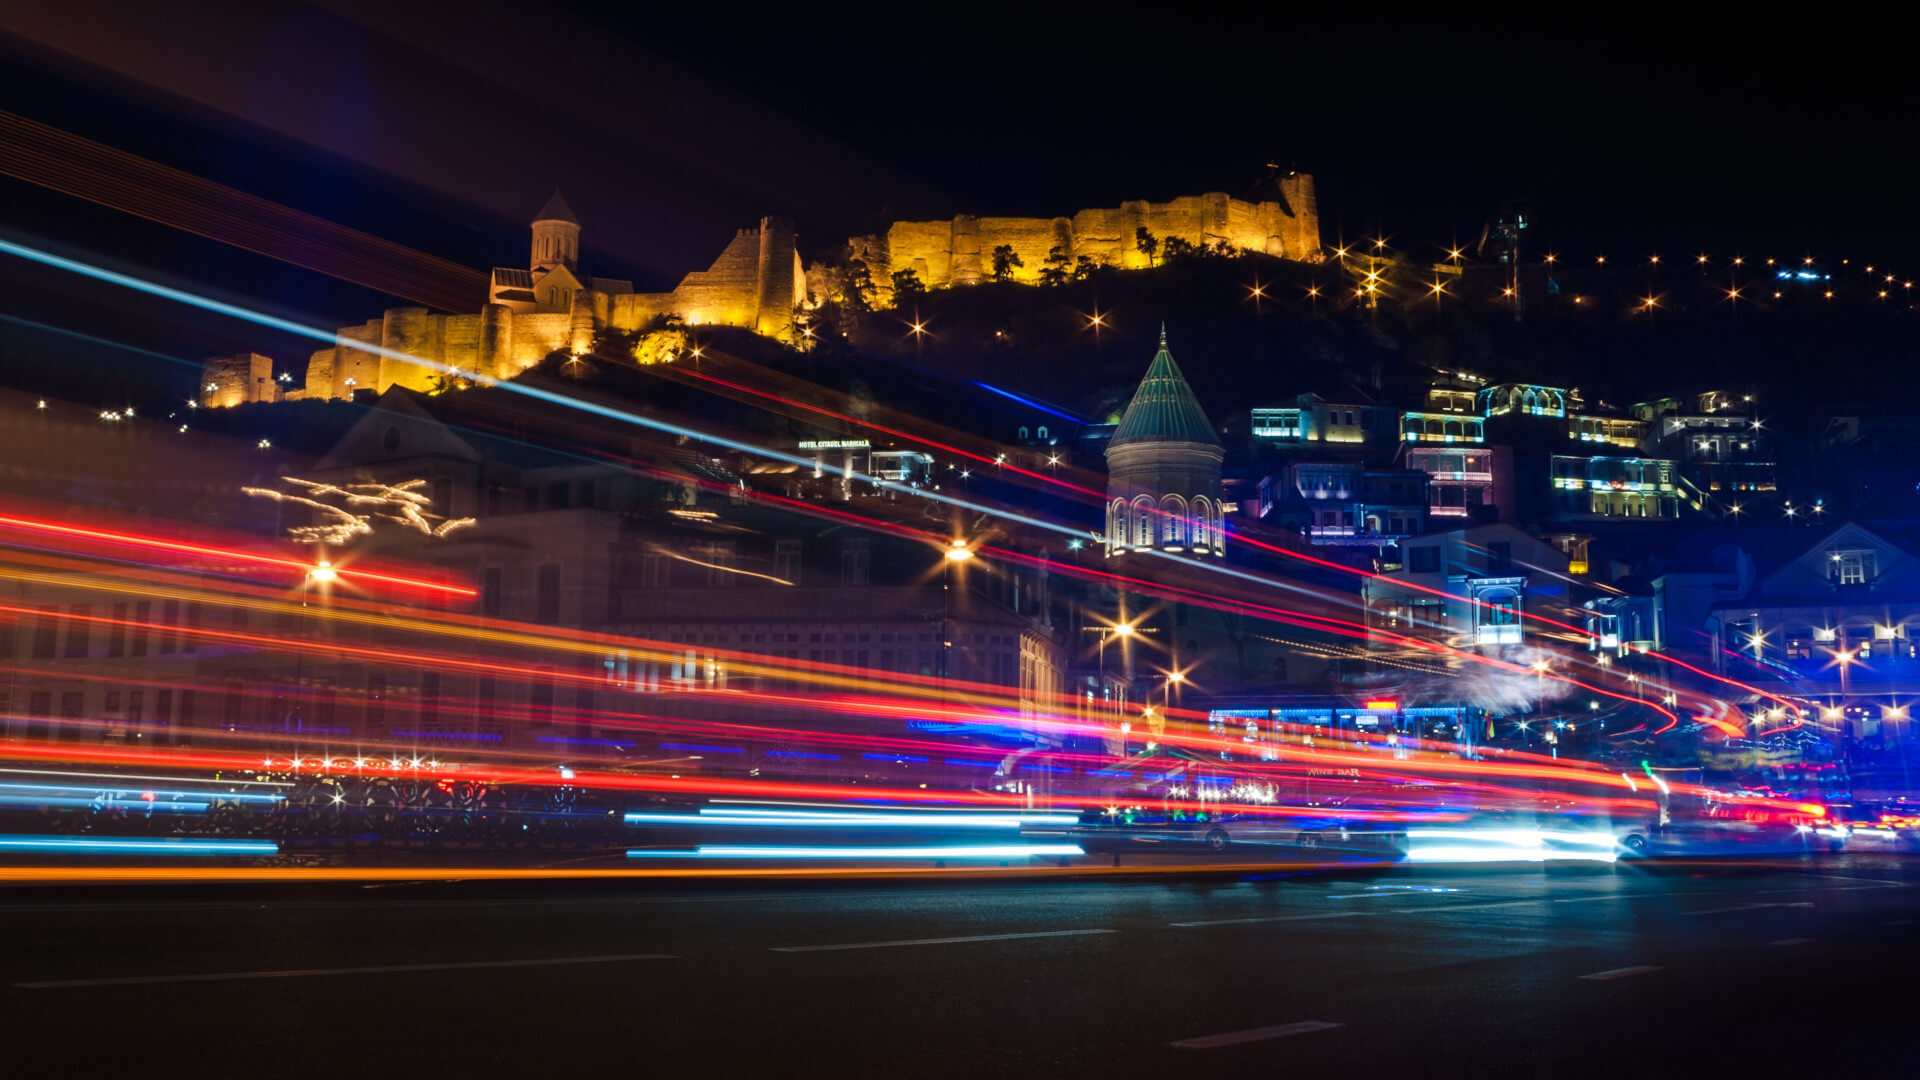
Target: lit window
point(1851, 567)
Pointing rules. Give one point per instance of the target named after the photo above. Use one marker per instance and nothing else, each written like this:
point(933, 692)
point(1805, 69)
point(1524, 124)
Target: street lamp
point(957, 553)
point(1166, 696)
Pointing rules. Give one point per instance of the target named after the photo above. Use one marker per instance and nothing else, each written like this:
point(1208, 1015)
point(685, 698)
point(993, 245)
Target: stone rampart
point(946, 254)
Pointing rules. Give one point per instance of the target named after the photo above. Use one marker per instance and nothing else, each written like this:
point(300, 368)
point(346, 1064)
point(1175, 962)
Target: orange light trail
point(154, 543)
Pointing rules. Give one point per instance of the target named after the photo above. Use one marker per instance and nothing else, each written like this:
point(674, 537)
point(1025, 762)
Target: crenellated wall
point(946, 254)
point(756, 282)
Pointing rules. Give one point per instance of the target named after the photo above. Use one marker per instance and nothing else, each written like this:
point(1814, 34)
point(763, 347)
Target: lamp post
point(322, 574)
point(957, 553)
point(1121, 630)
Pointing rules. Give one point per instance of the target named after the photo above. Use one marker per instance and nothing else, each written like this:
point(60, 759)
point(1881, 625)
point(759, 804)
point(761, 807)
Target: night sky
point(669, 127)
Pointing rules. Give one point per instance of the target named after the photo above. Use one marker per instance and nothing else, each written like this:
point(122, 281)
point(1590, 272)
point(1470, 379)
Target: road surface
point(1641, 970)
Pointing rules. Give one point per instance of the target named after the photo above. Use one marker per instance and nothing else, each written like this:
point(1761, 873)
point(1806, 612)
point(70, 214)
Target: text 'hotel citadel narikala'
point(757, 283)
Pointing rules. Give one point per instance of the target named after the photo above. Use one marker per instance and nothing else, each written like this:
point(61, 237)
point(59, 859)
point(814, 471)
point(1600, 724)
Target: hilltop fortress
point(757, 283)
point(946, 254)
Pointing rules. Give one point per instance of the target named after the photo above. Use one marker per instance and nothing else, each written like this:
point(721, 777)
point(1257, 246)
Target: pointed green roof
point(1164, 409)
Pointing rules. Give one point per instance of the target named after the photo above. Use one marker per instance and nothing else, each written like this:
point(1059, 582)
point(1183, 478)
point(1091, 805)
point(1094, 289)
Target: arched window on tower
point(1143, 521)
point(1023, 433)
point(1206, 523)
point(1042, 430)
point(1173, 521)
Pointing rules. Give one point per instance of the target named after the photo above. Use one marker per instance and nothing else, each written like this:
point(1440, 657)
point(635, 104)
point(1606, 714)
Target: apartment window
point(142, 618)
point(719, 560)
point(786, 560)
point(490, 592)
point(655, 570)
point(232, 705)
point(376, 700)
point(1424, 559)
point(136, 700)
point(540, 698)
point(547, 594)
point(558, 495)
point(169, 624)
point(46, 633)
point(190, 641)
point(79, 631)
point(855, 560)
point(429, 699)
point(117, 632)
point(485, 693)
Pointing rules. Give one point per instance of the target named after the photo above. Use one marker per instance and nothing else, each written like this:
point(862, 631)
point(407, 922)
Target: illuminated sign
point(834, 444)
point(1389, 706)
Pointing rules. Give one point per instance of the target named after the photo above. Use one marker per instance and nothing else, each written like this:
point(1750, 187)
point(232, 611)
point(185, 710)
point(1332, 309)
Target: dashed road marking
point(302, 973)
point(1620, 972)
point(1232, 1038)
point(937, 941)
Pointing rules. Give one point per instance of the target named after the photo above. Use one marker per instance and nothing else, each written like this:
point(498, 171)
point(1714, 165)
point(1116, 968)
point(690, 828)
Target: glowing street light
point(959, 552)
point(322, 572)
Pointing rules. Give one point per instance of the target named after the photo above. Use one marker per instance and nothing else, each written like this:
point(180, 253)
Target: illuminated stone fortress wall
point(946, 254)
point(756, 283)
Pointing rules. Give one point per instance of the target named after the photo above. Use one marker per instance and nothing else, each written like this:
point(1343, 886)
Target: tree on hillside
point(1176, 249)
point(1083, 267)
point(907, 283)
point(1147, 244)
point(1005, 262)
point(1055, 272)
point(846, 288)
point(856, 289)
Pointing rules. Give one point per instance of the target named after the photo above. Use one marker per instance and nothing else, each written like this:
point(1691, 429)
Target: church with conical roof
point(1163, 469)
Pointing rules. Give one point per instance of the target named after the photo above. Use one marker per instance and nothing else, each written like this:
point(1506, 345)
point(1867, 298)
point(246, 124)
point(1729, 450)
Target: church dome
point(1163, 469)
point(1164, 409)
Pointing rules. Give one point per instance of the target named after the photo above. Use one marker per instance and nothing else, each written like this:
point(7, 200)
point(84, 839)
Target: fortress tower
point(556, 237)
point(1163, 469)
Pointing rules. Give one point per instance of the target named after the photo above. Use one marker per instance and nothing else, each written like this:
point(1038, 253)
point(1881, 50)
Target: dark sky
point(669, 126)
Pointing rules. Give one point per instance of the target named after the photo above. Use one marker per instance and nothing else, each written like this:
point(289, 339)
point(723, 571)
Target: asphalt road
point(1648, 970)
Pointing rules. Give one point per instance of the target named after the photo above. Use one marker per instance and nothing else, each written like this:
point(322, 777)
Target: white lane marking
point(1433, 907)
point(1794, 941)
point(1750, 907)
point(1357, 914)
point(1231, 1038)
point(938, 940)
point(301, 973)
point(1620, 973)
